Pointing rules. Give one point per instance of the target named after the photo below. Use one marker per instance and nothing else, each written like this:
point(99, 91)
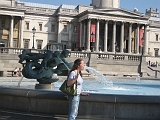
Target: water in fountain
point(99, 76)
point(20, 81)
point(138, 78)
point(101, 81)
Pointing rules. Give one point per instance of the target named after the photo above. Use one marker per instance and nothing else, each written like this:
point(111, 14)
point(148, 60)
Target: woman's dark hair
point(77, 62)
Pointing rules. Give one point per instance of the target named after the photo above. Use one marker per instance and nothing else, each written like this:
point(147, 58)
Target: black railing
point(156, 71)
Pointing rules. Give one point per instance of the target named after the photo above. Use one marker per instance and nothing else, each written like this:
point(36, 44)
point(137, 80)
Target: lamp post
point(33, 30)
point(92, 36)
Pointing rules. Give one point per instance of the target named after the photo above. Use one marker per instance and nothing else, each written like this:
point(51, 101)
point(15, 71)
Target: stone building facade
point(102, 25)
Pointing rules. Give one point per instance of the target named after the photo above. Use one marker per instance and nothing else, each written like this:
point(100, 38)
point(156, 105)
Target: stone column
point(137, 39)
point(122, 38)
point(105, 36)
point(70, 36)
point(145, 41)
point(88, 35)
point(129, 38)
point(11, 32)
point(80, 35)
point(84, 35)
point(21, 33)
point(97, 36)
point(114, 36)
point(60, 28)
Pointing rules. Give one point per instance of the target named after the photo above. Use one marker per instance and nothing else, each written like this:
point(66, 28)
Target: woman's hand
point(84, 94)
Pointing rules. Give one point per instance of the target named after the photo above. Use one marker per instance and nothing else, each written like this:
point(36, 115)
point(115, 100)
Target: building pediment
point(121, 12)
point(118, 12)
point(114, 15)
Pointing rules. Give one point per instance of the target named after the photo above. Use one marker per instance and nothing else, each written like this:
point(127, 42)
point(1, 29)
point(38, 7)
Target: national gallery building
point(101, 26)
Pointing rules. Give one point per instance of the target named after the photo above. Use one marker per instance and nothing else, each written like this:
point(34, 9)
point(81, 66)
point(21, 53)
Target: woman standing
point(75, 75)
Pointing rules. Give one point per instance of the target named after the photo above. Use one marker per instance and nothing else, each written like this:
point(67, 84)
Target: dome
point(106, 3)
point(7, 2)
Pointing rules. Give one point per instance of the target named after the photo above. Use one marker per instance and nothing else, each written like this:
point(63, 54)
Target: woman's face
point(81, 66)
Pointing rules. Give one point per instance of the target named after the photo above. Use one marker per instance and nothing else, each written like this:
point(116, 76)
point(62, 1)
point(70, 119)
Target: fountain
point(112, 102)
point(44, 71)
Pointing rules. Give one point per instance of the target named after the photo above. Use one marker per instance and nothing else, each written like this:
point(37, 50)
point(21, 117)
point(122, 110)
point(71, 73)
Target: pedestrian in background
point(19, 73)
point(149, 62)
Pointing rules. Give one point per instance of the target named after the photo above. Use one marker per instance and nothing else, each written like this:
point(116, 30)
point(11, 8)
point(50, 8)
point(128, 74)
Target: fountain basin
point(95, 105)
point(117, 86)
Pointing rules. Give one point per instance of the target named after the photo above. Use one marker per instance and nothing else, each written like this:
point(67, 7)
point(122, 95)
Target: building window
point(3, 43)
point(40, 27)
point(3, 23)
point(26, 44)
point(156, 52)
point(48, 46)
point(75, 29)
point(65, 28)
point(14, 43)
point(65, 47)
point(27, 26)
point(39, 44)
point(156, 37)
point(149, 51)
point(53, 28)
point(16, 24)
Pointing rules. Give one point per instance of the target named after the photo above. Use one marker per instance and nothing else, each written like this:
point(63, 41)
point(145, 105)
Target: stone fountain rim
point(93, 97)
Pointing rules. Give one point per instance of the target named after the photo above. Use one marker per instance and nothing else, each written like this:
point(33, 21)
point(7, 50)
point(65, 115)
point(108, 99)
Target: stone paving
point(13, 115)
point(17, 115)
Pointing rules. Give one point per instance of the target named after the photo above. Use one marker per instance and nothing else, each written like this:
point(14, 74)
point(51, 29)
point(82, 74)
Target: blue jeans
point(73, 107)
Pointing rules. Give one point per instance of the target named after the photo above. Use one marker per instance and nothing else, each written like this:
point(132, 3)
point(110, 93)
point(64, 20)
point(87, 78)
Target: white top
point(72, 75)
point(15, 70)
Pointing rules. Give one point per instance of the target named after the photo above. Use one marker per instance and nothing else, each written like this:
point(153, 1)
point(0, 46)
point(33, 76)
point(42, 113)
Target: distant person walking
point(15, 70)
point(156, 63)
point(100, 51)
point(149, 62)
point(19, 73)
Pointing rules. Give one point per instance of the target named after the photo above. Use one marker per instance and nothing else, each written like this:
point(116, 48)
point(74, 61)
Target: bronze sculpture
point(42, 66)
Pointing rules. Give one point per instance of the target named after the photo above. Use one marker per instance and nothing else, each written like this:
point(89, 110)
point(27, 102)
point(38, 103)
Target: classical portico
point(11, 24)
point(102, 25)
point(116, 30)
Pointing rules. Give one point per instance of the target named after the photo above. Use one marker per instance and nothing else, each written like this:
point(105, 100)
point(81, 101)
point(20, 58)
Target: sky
point(141, 5)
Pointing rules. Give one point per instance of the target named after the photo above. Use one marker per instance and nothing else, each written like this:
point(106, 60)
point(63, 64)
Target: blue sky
point(142, 5)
